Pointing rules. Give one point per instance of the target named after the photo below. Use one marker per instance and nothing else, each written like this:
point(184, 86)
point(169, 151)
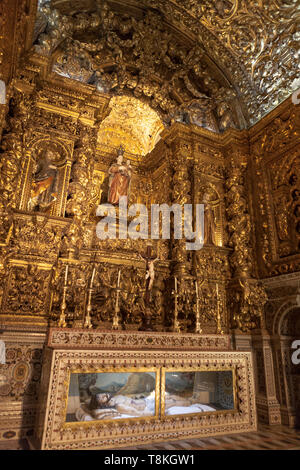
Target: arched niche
point(45, 177)
point(211, 196)
point(286, 328)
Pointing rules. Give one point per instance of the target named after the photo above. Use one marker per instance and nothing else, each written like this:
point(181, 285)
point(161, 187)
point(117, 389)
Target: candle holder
point(87, 321)
point(116, 321)
point(176, 325)
point(62, 318)
point(198, 328)
point(219, 324)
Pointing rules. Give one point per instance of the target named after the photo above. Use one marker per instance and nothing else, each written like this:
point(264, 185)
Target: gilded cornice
point(195, 134)
point(285, 107)
point(207, 96)
point(252, 44)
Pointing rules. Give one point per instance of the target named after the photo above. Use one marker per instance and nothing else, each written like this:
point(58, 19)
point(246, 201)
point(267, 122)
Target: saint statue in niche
point(209, 220)
point(44, 184)
point(119, 178)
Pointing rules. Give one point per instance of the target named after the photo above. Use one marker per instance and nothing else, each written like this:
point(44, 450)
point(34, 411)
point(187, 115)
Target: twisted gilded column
point(181, 195)
point(247, 297)
point(12, 151)
point(79, 203)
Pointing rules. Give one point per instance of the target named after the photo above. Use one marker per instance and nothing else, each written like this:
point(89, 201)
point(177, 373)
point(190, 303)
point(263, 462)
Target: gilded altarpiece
point(86, 77)
point(56, 271)
point(275, 170)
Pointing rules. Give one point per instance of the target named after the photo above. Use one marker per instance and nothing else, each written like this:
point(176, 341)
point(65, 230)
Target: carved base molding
point(288, 416)
point(268, 411)
point(53, 432)
point(268, 407)
point(241, 342)
point(17, 420)
point(19, 381)
point(80, 338)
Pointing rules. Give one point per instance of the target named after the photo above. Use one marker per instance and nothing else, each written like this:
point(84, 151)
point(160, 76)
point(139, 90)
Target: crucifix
point(150, 273)
point(149, 277)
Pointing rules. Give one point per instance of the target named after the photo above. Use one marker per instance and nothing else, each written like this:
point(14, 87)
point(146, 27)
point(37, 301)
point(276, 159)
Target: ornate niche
point(26, 292)
point(209, 195)
point(285, 193)
point(46, 177)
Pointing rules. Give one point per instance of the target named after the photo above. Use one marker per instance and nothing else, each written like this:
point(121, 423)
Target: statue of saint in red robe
point(120, 174)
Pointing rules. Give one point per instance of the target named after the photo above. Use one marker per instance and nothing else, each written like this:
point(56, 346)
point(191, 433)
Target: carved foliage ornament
point(123, 57)
point(257, 42)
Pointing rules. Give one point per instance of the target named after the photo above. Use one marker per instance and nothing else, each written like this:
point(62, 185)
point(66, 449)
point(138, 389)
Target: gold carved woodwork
point(184, 167)
point(246, 304)
point(217, 34)
point(81, 99)
point(107, 62)
point(238, 219)
point(186, 163)
point(276, 169)
point(27, 291)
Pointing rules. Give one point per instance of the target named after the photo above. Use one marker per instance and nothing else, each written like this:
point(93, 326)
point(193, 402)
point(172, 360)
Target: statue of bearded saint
point(44, 185)
point(209, 220)
point(119, 178)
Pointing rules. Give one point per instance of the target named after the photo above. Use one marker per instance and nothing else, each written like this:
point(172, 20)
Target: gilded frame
point(165, 370)
point(53, 432)
point(96, 422)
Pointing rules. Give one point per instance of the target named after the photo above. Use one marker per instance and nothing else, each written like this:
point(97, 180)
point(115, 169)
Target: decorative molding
point(95, 339)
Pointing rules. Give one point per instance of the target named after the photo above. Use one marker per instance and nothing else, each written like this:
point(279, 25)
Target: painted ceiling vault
point(215, 64)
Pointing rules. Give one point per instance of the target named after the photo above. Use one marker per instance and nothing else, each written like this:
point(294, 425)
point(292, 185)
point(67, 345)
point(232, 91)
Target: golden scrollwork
point(106, 61)
point(181, 86)
point(239, 223)
point(248, 305)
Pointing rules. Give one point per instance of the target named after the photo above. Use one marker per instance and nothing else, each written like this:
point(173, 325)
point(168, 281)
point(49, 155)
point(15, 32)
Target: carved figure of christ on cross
point(150, 273)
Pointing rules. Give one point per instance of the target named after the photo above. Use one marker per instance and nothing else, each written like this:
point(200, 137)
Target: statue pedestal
point(147, 321)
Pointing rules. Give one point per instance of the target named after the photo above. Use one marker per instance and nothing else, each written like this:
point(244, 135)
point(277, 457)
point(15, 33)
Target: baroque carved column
point(79, 204)
point(246, 295)
point(268, 407)
point(239, 224)
point(12, 150)
point(181, 195)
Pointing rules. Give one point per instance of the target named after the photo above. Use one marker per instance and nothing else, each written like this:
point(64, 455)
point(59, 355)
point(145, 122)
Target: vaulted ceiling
point(216, 64)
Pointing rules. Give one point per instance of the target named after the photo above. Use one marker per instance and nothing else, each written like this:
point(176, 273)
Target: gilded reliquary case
point(108, 395)
point(193, 391)
point(116, 397)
